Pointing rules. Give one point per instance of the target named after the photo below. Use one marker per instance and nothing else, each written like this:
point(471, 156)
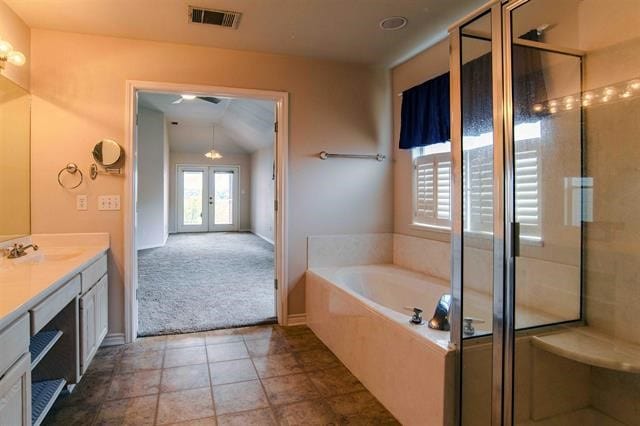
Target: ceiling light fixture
point(393, 23)
point(8, 54)
point(188, 97)
point(213, 154)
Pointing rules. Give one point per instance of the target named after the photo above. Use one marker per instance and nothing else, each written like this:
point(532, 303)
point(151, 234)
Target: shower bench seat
point(585, 345)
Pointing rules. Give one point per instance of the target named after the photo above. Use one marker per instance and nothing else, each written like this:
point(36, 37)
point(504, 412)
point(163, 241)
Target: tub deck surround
point(355, 311)
point(26, 281)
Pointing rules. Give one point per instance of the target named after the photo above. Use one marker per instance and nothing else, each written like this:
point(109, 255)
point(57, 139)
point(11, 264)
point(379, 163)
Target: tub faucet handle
point(467, 327)
point(417, 315)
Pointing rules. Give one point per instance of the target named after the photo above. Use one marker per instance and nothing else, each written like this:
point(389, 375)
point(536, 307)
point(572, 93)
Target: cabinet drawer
point(14, 341)
point(93, 273)
point(49, 308)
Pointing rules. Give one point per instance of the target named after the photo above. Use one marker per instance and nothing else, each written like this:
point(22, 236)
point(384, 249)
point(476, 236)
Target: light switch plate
point(109, 202)
point(82, 202)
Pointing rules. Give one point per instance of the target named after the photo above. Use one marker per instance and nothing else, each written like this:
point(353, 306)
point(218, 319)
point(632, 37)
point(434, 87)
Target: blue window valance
point(426, 117)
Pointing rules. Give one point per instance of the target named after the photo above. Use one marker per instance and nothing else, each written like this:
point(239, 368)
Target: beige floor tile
point(131, 411)
point(361, 408)
point(185, 377)
point(71, 415)
point(185, 340)
point(222, 336)
point(148, 360)
point(286, 389)
point(335, 381)
point(91, 390)
point(304, 342)
point(260, 332)
point(185, 405)
point(154, 343)
point(227, 351)
point(277, 365)
point(237, 370)
point(294, 330)
point(317, 360)
point(185, 356)
point(209, 421)
point(262, 417)
point(237, 397)
point(263, 347)
point(139, 383)
point(307, 413)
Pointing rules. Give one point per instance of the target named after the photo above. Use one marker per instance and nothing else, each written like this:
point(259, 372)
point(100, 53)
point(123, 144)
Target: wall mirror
point(15, 183)
point(107, 153)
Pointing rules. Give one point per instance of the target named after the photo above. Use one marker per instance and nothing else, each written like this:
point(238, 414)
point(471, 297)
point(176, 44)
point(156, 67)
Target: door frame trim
point(281, 100)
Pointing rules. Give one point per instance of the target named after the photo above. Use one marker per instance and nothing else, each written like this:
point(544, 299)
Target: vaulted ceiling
point(345, 30)
point(241, 126)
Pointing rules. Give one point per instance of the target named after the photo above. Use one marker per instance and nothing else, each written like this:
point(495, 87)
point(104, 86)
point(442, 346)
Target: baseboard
point(297, 319)
point(113, 339)
point(263, 237)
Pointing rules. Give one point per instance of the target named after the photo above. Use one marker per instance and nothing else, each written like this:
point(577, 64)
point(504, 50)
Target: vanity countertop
point(26, 281)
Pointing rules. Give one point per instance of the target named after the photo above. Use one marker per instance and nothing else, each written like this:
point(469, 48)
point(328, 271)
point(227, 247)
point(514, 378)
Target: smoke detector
point(393, 23)
point(219, 18)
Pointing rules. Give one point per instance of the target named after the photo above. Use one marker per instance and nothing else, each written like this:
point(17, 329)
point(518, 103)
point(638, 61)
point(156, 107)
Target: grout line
point(213, 401)
point(155, 415)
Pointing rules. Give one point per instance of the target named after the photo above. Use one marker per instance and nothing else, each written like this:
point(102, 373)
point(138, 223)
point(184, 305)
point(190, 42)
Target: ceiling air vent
point(221, 18)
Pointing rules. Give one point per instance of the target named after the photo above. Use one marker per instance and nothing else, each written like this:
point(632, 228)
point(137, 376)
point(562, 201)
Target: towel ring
point(72, 169)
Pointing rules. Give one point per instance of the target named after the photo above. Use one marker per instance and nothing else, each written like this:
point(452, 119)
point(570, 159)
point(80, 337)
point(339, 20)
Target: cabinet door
point(88, 338)
point(15, 394)
point(102, 309)
point(93, 320)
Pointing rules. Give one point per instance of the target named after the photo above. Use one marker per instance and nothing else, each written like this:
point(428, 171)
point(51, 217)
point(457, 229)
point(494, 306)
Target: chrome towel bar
point(379, 157)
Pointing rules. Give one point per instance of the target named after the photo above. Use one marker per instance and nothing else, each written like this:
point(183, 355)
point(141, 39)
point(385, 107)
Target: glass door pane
point(223, 200)
point(192, 190)
point(476, 85)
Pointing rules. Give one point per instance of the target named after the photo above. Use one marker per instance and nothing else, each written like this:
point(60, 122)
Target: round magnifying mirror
point(107, 152)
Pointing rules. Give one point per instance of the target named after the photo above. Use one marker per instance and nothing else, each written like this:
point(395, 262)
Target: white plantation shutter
point(527, 173)
point(432, 189)
point(478, 164)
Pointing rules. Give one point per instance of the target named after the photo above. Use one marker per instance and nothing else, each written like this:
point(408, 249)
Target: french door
point(207, 198)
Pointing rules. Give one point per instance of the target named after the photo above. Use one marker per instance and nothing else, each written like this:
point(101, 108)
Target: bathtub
point(358, 312)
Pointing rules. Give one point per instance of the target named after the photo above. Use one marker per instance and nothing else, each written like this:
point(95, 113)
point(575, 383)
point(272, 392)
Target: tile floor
point(263, 375)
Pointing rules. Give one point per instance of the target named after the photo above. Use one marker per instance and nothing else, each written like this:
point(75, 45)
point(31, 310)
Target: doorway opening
point(206, 249)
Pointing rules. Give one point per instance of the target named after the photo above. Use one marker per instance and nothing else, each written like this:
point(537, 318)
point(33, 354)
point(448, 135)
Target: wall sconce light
point(7, 54)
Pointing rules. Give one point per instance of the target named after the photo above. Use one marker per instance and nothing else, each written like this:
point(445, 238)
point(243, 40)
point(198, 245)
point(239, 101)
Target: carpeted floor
point(205, 281)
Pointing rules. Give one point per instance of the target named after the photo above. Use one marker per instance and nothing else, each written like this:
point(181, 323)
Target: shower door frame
point(502, 359)
point(504, 224)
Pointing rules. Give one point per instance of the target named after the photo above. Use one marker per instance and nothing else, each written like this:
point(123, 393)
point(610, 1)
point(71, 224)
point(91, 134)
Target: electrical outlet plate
point(82, 202)
point(109, 202)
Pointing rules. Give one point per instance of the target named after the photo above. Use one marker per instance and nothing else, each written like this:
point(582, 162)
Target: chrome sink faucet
point(19, 250)
point(440, 320)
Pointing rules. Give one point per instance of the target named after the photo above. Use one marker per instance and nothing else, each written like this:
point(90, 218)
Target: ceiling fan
point(183, 98)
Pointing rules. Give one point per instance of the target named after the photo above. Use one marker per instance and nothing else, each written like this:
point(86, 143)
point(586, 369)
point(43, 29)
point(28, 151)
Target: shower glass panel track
point(545, 256)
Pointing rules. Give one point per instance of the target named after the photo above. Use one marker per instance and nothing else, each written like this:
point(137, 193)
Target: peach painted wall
point(14, 30)
point(428, 64)
point(78, 86)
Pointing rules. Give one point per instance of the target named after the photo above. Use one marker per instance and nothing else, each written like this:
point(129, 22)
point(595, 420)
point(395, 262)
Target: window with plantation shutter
point(432, 183)
point(478, 189)
point(432, 189)
point(527, 171)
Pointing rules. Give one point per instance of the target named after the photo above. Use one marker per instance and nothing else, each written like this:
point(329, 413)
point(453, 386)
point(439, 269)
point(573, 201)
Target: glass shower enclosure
point(546, 207)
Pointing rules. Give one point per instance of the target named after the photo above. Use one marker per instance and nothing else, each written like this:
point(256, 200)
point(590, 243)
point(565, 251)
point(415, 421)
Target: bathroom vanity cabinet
point(51, 333)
